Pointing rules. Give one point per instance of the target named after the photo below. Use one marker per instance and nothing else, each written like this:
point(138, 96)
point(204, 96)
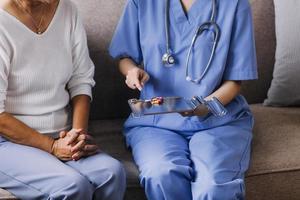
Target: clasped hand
point(74, 145)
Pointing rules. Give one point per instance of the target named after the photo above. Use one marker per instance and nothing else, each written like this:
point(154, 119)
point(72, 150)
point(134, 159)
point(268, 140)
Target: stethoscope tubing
point(203, 27)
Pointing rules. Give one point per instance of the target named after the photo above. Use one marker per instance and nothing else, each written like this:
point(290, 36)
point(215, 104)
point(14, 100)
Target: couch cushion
point(285, 88)
point(4, 195)
point(283, 185)
point(276, 140)
point(264, 25)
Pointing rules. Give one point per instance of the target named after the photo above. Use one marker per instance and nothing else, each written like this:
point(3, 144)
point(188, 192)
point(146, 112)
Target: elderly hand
point(83, 144)
point(62, 149)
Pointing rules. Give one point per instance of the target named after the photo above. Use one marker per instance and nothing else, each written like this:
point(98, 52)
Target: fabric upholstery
point(285, 87)
point(274, 186)
point(4, 195)
point(264, 23)
point(276, 140)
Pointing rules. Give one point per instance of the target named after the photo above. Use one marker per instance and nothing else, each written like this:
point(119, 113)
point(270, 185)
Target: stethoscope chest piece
point(168, 60)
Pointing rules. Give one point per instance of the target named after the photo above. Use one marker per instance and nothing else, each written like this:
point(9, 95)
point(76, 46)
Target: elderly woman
point(45, 150)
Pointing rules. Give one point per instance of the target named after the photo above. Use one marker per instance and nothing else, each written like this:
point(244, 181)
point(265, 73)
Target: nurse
point(193, 155)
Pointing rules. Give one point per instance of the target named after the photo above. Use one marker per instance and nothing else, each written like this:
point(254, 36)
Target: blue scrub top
point(140, 35)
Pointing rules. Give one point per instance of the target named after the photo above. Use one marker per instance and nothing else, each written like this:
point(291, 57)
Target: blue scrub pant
point(31, 174)
point(204, 165)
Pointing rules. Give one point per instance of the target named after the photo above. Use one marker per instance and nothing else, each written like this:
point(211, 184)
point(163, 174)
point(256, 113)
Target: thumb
point(62, 134)
point(145, 78)
point(137, 83)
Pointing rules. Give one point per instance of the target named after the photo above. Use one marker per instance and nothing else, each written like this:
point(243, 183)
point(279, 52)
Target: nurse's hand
point(136, 78)
point(200, 111)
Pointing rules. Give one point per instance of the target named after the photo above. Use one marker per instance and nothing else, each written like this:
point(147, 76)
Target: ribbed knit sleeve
point(4, 70)
point(82, 81)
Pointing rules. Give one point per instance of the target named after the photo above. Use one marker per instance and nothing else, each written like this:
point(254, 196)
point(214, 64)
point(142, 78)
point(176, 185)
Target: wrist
point(48, 144)
point(53, 147)
point(132, 68)
point(81, 129)
point(126, 65)
point(201, 110)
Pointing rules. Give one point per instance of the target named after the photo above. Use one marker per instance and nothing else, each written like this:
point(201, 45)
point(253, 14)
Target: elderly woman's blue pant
point(32, 174)
point(204, 165)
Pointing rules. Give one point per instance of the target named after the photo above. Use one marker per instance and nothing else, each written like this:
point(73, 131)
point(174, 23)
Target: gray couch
point(275, 167)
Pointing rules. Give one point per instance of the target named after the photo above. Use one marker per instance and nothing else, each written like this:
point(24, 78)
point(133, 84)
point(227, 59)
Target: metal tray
point(142, 107)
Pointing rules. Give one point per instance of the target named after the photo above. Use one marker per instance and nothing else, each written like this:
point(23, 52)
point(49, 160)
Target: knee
point(164, 175)
point(110, 181)
point(80, 183)
point(115, 175)
point(118, 174)
point(73, 185)
point(232, 190)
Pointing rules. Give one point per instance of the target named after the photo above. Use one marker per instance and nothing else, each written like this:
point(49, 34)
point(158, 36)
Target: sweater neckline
point(22, 25)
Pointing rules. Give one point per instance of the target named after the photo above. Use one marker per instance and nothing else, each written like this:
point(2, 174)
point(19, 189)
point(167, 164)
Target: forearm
point(81, 110)
point(226, 92)
point(125, 65)
point(18, 132)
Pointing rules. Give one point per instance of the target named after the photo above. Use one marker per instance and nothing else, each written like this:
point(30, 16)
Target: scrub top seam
point(243, 157)
point(240, 74)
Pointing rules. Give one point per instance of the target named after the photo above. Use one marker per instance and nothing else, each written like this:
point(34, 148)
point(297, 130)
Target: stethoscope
point(169, 60)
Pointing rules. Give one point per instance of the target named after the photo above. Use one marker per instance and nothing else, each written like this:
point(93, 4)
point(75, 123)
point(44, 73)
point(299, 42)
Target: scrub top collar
point(199, 8)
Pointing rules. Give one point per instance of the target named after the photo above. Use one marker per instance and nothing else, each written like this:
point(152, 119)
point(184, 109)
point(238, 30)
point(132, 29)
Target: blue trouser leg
point(106, 174)
point(220, 157)
point(31, 174)
point(163, 160)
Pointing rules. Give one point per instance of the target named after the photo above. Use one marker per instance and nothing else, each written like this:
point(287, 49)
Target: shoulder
point(145, 4)
point(141, 2)
point(237, 5)
point(71, 13)
point(6, 45)
point(133, 2)
point(243, 5)
point(69, 7)
point(5, 29)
